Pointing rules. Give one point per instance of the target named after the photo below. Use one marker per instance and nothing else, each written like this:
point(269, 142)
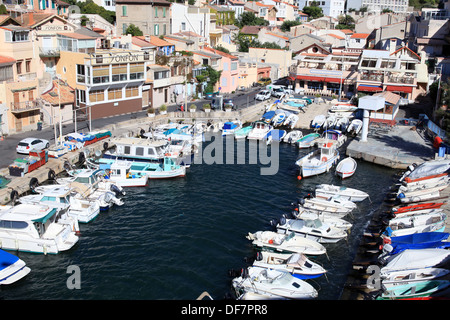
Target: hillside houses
point(109, 72)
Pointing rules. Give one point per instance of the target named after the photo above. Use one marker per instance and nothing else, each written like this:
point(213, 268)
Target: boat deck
point(396, 147)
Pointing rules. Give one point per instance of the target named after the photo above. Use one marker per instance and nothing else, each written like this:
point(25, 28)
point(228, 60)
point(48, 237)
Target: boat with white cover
point(285, 243)
point(65, 198)
point(426, 170)
point(311, 229)
point(318, 121)
point(36, 228)
point(293, 136)
point(355, 126)
point(12, 269)
point(328, 190)
point(272, 282)
point(297, 264)
point(414, 259)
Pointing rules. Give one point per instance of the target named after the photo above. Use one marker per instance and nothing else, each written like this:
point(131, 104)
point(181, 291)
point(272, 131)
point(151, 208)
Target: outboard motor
point(259, 256)
point(116, 190)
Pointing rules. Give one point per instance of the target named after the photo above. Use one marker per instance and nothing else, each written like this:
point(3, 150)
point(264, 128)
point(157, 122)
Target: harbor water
point(177, 238)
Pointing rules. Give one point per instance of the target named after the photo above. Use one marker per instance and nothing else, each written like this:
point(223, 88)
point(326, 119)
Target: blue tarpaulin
point(6, 259)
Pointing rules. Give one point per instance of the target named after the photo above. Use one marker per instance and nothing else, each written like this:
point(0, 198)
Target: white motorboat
point(137, 149)
point(346, 167)
point(329, 121)
point(355, 126)
point(417, 220)
point(243, 132)
point(311, 229)
point(419, 195)
point(12, 269)
point(259, 131)
point(330, 205)
point(91, 183)
point(328, 190)
point(120, 172)
point(343, 107)
point(293, 136)
point(413, 275)
point(297, 264)
point(437, 184)
point(397, 230)
point(318, 121)
point(413, 259)
point(285, 243)
point(330, 219)
point(333, 135)
point(64, 198)
point(279, 118)
point(272, 282)
point(319, 161)
point(36, 228)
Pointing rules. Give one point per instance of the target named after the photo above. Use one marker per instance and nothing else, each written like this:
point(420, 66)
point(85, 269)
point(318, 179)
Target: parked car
point(278, 92)
point(263, 95)
point(229, 102)
point(264, 81)
point(29, 144)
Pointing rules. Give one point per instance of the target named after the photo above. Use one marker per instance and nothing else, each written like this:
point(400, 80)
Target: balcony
point(399, 79)
point(371, 77)
point(25, 106)
point(49, 52)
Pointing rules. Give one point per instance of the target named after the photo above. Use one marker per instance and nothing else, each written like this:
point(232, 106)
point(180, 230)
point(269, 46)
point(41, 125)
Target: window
point(225, 66)
point(132, 91)
point(16, 36)
point(161, 74)
point(19, 67)
point(81, 77)
point(28, 66)
point(114, 94)
point(156, 30)
point(119, 72)
point(139, 151)
point(136, 71)
point(100, 74)
point(164, 29)
point(80, 96)
point(156, 12)
point(183, 26)
point(13, 224)
point(96, 96)
point(124, 11)
point(224, 82)
point(233, 66)
point(6, 73)
point(164, 12)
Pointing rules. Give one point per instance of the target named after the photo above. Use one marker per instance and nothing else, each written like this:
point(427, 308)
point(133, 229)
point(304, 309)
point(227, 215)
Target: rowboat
point(346, 167)
point(414, 289)
point(329, 190)
point(419, 206)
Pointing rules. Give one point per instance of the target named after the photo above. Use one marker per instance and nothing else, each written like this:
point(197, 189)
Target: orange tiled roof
point(359, 35)
point(6, 59)
point(52, 96)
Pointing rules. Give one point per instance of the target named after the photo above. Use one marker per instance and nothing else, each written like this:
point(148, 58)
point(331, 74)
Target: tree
point(286, 25)
point(313, 12)
point(133, 30)
point(3, 9)
point(346, 22)
point(221, 48)
point(249, 19)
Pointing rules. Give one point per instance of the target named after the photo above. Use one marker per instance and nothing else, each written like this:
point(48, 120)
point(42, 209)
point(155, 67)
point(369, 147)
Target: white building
point(190, 18)
point(332, 8)
point(376, 6)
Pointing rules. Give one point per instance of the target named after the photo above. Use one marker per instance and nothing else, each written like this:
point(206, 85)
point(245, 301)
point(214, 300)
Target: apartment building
point(230, 71)
point(152, 17)
point(402, 71)
point(18, 78)
point(319, 71)
point(332, 8)
point(376, 6)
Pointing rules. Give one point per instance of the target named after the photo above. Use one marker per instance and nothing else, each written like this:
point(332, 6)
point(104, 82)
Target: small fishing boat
point(296, 264)
point(426, 170)
point(12, 269)
point(415, 275)
point(65, 198)
point(333, 135)
point(413, 290)
point(259, 131)
point(293, 136)
point(243, 132)
point(346, 167)
point(120, 172)
point(328, 190)
point(354, 127)
point(230, 127)
point(308, 140)
point(311, 229)
point(268, 116)
point(319, 161)
point(37, 228)
point(325, 206)
point(440, 182)
point(417, 223)
point(419, 195)
point(285, 243)
point(271, 282)
point(279, 118)
point(318, 121)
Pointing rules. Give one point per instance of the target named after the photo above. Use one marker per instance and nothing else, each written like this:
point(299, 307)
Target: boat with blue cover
point(421, 240)
point(12, 268)
point(230, 127)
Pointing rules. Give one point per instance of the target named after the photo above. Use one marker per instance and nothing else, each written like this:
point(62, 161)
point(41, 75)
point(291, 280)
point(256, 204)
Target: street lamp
point(438, 93)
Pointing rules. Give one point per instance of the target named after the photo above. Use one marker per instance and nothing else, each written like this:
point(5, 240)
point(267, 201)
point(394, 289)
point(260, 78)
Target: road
point(241, 99)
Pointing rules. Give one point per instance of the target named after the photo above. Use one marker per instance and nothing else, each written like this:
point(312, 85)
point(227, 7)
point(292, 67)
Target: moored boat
point(413, 289)
point(12, 269)
point(308, 140)
point(319, 161)
point(346, 167)
point(328, 190)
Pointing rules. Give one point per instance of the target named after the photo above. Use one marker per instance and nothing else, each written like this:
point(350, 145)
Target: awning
point(399, 89)
point(370, 88)
point(310, 78)
point(334, 80)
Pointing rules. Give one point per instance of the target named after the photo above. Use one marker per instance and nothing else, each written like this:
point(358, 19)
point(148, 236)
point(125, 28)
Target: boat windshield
point(316, 223)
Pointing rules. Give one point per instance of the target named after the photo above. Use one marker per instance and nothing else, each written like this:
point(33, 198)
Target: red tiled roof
point(52, 96)
point(6, 60)
point(359, 35)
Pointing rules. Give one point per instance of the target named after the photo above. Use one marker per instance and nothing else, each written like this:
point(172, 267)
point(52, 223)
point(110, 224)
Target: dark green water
point(177, 238)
